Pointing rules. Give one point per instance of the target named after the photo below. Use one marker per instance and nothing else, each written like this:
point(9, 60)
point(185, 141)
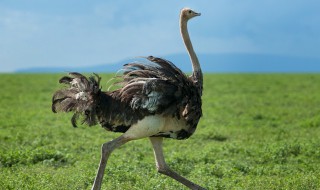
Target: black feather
point(74, 120)
point(65, 80)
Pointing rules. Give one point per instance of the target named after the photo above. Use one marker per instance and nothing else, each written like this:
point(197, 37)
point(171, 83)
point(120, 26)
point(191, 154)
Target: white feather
point(82, 96)
point(151, 103)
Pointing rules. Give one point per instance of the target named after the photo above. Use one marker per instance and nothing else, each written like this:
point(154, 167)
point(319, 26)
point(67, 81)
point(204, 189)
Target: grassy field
point(258, 131)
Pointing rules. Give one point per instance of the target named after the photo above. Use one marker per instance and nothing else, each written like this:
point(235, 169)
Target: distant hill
point(217, 63)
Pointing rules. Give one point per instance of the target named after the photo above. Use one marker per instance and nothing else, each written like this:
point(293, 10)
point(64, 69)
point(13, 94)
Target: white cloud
point(58, 33)
point(79, 40)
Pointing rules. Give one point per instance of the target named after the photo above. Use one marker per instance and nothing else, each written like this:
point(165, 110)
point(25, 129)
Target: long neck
point(197, 73)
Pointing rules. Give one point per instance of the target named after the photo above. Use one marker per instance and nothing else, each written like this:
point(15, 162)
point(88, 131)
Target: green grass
point(258, 131)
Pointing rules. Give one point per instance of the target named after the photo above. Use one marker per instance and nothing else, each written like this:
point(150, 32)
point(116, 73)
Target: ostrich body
point(156, 100)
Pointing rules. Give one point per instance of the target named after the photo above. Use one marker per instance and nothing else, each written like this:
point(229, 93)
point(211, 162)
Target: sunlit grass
point(258, 131)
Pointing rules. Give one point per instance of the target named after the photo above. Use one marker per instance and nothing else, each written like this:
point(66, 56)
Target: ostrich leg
point(164, 169)
point(106, 150)
point(137, 131)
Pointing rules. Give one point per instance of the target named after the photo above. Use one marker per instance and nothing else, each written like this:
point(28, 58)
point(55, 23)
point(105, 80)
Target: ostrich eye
point(190, 11)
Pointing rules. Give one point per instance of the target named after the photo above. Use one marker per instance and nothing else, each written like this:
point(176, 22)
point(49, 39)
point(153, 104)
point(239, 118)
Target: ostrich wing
point(159, 87)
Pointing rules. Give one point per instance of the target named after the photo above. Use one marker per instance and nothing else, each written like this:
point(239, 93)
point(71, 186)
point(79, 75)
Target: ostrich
point(156, 100)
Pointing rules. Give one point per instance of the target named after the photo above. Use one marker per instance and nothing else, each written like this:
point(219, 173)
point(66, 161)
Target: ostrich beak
point(198, 14)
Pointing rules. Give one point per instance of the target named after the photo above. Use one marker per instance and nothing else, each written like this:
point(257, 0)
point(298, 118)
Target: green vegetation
point(258, 131)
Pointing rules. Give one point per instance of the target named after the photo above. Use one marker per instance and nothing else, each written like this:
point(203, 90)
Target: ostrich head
point(188, 13)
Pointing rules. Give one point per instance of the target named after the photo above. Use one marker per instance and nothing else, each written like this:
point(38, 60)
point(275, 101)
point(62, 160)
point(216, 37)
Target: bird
point(155, 100)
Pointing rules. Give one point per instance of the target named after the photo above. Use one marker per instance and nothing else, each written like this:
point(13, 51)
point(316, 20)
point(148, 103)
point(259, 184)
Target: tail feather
point(80, 97)
point(65, 80)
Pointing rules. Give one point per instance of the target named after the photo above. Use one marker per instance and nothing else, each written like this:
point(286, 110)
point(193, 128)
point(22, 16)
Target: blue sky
point(74, 33)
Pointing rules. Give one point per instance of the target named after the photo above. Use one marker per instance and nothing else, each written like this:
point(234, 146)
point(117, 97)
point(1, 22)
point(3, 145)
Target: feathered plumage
point(80, 97)
point(157, 87)
point(155, 100)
